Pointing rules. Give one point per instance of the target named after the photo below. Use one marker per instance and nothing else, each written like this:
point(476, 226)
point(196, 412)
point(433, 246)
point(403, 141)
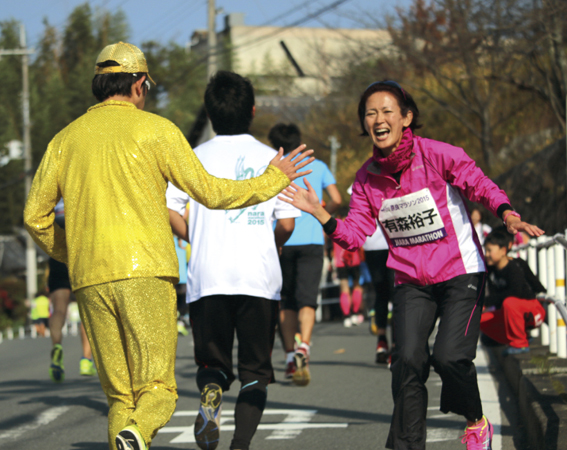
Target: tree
point(456, 43)
point(11, 127)
point(538, 45)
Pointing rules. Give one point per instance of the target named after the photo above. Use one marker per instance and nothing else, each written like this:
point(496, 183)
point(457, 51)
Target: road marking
point(441, 434)
point(296, 420)
point(490, 406)
point(43, 419)
point(441, 416)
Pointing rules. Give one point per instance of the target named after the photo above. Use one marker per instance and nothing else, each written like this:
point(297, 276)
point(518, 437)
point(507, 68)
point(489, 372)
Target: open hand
point(514, 225)
point(289, 167)
point(306, 200)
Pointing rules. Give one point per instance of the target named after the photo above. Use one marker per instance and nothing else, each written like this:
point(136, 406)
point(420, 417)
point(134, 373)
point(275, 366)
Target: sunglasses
point(387, 83)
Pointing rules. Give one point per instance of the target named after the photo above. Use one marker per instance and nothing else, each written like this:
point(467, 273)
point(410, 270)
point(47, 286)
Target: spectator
point(481, 229)
point(511, 306)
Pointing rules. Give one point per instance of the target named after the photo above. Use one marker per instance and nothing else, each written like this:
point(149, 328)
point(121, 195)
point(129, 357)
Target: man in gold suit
point(111, 166)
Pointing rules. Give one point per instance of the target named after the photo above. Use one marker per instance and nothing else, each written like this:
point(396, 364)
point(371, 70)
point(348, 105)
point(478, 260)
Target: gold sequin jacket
point(111, 166)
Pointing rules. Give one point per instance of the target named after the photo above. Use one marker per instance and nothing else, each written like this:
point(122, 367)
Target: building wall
point(322, 54)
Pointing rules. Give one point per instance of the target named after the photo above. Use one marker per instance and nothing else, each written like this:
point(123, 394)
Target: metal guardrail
point(546, 258)
point(29, 331)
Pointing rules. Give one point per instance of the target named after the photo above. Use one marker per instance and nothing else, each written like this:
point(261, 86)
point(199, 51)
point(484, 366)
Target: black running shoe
point(207, 424)
point(130, 438)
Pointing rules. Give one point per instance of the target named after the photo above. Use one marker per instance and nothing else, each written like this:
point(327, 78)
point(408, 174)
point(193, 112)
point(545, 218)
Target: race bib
point(412, 219)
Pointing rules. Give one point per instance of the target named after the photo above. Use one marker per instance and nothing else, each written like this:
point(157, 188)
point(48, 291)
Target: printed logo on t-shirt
point(412, 219)
point(250, 215)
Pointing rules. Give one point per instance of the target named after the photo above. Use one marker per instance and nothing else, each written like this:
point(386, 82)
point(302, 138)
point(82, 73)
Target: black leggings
point(458, 303)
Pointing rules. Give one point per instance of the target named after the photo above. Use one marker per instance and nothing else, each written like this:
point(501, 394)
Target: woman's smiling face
point(384, 122)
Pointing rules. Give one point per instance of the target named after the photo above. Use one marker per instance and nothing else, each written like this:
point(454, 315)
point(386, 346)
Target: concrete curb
point(543, 408)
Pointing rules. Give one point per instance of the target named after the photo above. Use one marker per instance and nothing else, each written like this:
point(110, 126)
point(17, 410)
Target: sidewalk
point(539, 382)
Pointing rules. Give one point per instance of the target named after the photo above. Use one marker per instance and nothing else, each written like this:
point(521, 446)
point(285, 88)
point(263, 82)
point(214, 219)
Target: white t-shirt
point(377, 241)
point(482, 230)
point(233, 252)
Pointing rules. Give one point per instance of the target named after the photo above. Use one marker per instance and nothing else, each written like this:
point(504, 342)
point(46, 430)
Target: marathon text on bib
point(412, 219)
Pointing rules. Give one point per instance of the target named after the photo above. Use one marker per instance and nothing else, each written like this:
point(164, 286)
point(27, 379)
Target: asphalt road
point(346, 406)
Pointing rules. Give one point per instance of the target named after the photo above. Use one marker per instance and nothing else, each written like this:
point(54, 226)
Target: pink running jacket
point(424, 217)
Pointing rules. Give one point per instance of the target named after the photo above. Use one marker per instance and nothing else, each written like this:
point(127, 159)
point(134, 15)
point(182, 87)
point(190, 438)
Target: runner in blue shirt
point(301, 259)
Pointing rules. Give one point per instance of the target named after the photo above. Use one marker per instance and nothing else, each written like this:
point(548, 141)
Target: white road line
point(266, 412)
point(43, 419)
point(490, 406)
point(489, 396)
point(186, 433)
point(295, 422)
point(441, 434)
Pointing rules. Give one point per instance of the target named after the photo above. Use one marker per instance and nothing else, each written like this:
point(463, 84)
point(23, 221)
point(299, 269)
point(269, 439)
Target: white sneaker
point(347, 322)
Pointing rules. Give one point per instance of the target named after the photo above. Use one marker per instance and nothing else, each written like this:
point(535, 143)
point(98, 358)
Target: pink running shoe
point(479, 437)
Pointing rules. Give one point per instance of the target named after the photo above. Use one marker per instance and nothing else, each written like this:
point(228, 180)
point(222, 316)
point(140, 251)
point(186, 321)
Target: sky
point(175, 20)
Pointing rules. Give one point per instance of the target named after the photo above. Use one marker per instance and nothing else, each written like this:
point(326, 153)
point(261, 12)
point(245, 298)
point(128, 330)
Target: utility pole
point(335, 145)
point(212, 54)
point(31, 257)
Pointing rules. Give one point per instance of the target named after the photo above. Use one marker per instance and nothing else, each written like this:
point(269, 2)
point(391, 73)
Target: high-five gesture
point(306, 200)
point(289, 167)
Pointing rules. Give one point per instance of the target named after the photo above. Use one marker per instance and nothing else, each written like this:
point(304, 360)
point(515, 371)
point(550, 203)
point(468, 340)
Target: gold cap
point(130, 58)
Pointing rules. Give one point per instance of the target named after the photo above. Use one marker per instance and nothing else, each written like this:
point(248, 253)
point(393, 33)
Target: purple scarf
point(400, 158)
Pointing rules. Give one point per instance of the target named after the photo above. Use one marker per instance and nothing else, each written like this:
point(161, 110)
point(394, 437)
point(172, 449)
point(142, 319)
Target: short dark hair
point(405, 100)
point(110, 84)
point(286, 136)
point(229, 101)
point(500, 237)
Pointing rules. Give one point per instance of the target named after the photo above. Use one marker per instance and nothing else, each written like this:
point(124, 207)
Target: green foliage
point(180, 78)
point(60, 77)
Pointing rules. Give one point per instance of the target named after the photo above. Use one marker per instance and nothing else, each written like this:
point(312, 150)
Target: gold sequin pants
point(132, 327)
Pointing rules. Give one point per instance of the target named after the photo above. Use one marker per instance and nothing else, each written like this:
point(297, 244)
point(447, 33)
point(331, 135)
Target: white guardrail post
point(542, 274)
point(551, 311)
point(560, 295)
point(532, 262)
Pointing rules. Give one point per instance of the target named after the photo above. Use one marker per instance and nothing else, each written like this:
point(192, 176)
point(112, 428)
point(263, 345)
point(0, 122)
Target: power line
point(179, 16)
point(310, 16)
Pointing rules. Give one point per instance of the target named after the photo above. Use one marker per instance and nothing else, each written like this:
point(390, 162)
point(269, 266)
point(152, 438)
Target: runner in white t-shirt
point(234, 277)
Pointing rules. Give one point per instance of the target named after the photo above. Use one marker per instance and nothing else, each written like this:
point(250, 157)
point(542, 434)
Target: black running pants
point(214, 321)
point(458, 304)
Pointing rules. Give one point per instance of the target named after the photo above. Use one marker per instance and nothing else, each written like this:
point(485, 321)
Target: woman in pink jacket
point(416, 188)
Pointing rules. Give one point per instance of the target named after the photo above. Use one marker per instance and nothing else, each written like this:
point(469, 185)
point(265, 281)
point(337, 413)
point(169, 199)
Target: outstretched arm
point(179, 164)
